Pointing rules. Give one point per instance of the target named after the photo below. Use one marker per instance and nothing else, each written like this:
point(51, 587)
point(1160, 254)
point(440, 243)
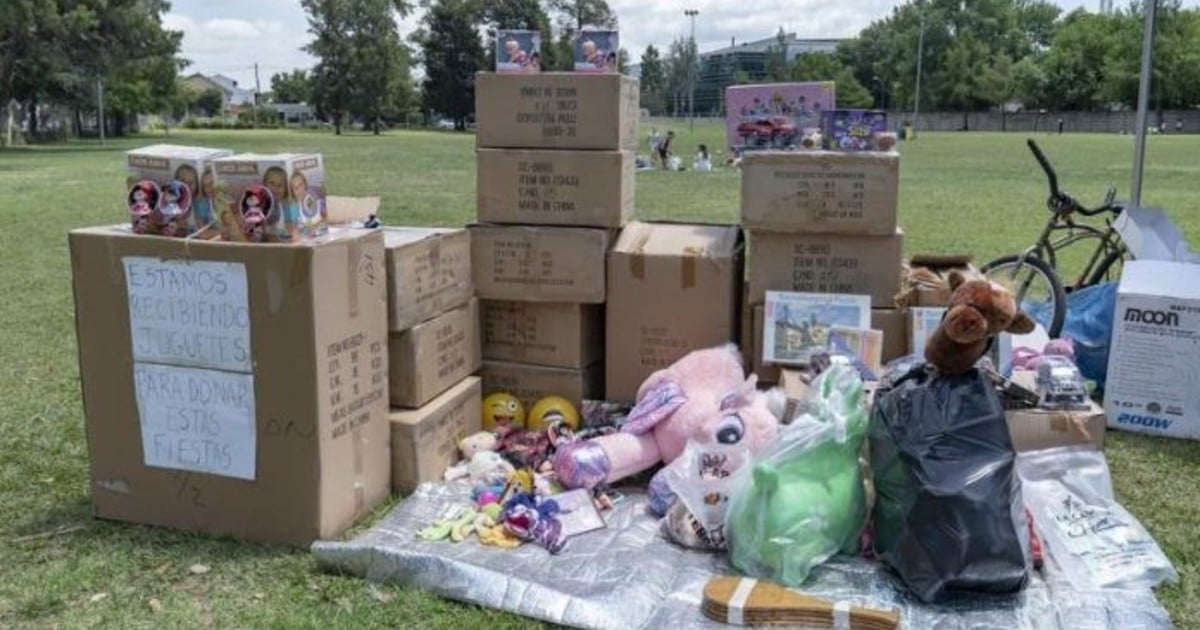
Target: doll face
point(276, 180)
point(207, 186)
point(299, 187)
point(512, 48)
point(589, 49)
point(187, 175)
point(139, 196)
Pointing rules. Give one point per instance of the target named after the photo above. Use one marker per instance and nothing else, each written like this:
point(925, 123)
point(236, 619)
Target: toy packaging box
point(856, 130)
point(271, 198)
point(776, 115)
point(597, 51)
point(170, 189)
point(518, 52)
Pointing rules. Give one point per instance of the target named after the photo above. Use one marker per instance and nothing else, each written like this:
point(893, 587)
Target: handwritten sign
point(197, 420)
point(189, 313)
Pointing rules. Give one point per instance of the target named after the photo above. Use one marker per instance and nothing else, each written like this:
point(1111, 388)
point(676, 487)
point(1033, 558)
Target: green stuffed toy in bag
point(804, 500)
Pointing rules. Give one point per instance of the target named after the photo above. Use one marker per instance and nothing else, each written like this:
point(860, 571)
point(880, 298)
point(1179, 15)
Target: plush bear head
point(979, 309)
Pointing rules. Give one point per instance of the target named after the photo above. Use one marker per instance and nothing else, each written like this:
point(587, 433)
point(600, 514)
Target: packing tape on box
point(841, 615)
point(354, 255)
point(737, 601)
point(637, 260)
point(687, 267)
point(360, 497)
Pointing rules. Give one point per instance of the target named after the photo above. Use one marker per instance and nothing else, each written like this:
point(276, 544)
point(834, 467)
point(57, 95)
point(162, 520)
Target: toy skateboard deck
point(749, 602)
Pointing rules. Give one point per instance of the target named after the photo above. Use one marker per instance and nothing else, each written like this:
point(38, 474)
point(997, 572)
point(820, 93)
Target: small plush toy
point(477, 443)
point(704, 397)
point(979, 309)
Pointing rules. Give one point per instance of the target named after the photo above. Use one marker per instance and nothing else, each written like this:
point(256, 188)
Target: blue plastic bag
point(1089, 323)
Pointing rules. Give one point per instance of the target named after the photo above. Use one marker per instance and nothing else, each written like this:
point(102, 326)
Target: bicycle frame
point(1047, 248)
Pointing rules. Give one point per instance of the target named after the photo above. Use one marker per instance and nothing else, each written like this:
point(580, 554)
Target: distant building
point(235, 97)
point(719, 67)
point(294, 113)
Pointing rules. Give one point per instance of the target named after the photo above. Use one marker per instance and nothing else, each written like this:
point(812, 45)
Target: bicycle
point(1035, 273)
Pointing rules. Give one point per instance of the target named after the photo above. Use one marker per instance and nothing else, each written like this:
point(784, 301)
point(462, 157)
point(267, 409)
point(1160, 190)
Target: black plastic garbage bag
point(948, 514)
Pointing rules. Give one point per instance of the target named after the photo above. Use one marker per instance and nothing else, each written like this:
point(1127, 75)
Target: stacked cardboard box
point(822, 222)
point(555, 183)
point(433, 350)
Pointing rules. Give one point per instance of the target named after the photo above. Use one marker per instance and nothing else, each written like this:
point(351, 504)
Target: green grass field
point(979, 193)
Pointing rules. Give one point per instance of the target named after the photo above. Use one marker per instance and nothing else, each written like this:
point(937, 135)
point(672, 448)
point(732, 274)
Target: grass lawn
point(979, 193)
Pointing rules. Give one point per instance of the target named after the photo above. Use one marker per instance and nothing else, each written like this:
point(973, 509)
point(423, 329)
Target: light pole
point(1143, 110)
point(920, 56)
point(694, 59)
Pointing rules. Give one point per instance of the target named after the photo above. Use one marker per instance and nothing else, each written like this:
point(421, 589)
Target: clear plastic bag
point(804, 501)
point(703, 479)
point(1090, 539)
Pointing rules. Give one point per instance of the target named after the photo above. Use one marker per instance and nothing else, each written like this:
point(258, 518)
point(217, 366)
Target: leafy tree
point(329, 24)
point(828, 67)
point(776, 63)
point(653, 81)
point(576, 15)
point(452, 54)
point(682, 69)
point(291, 87)
point(211, 102)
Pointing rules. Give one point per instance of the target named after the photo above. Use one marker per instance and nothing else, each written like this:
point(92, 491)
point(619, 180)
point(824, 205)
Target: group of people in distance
point(662, 151)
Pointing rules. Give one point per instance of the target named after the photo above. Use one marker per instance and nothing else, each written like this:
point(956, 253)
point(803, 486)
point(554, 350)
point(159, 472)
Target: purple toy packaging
point(856, 130)
point(776, 115)
point(596, 51)
point(518, 52)
point(170, 188)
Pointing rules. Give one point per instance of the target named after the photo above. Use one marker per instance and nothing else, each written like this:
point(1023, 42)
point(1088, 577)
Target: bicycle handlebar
point(1051, 176)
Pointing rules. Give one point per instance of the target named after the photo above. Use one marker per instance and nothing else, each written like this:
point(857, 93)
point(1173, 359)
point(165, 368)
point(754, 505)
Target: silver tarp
point(629, 576)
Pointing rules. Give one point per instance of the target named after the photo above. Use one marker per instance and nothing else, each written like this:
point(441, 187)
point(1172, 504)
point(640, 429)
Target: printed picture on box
point(775, 116)
point(257, 212)
point(799, 325)
point(854, 129)
point(518, 52)
point(596, 51)
point(143, 199)
point(174, 206)
point(204, 201)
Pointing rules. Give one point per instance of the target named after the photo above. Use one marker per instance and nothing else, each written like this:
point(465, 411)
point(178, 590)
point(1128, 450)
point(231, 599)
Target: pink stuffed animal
point(704, 396)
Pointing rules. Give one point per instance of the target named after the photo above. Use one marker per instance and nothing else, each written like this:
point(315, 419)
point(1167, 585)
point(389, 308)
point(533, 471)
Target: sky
point(229, 36)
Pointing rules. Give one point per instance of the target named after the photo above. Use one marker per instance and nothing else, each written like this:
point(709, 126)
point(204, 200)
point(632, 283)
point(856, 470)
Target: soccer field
point(976, 193)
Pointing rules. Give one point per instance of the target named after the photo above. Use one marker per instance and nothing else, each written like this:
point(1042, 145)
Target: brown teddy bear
point(979, 309)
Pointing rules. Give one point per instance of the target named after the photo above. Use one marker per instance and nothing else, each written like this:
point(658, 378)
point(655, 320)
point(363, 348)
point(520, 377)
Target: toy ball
point(551, 410)
point(503, 409)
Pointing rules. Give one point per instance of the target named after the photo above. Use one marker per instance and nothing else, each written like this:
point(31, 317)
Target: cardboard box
point(556, 110)
point(854, 129)
point(673, 288)
point(864, 265)
point(1154, 361)
point(531, 383)
point(542, 333)
point(429, 273)
point(579, 188)
point(1038, 429)
point(539, 264)
point(767, 373)
point(774, 115)
point(432, 356)
point(518, 52)
point(425, 440)
point(234, 390)
point(795, 386)
point(1149, 234)
point(160, 165)
point(596, 51)
point(820, 192)
point(894, 324)
point(286, 191)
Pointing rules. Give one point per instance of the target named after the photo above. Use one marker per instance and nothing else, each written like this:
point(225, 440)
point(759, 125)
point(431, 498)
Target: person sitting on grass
point(703, 160)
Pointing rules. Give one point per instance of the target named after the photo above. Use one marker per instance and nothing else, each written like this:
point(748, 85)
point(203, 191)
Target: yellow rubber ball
point(502, 408)
point(553, 409)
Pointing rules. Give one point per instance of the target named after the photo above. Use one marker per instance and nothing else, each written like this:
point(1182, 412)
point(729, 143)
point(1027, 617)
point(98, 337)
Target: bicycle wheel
point(1039, 292)
point(1109, 269)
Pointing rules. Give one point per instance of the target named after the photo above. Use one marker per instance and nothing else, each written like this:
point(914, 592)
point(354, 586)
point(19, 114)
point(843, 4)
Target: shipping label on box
point(221, 399)
point(170, 189)
point(277, 198)
point(539, 264)
point(542, 333)
point(579, 188)
point(432, 356)
point(1154, 361)
point(429, 273)
point(862, 265)
point(673, 288)
point(556, 110)
point(425, 440)
point(821, 192)
point(531, 383)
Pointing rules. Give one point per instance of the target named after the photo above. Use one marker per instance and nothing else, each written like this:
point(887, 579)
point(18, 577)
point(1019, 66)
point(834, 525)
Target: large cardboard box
point(1154, 361)
point(673, 288)
point(539, 264)
point(556, 110)
point(825, 263)
point(428, 271)
point(234, 389)
point(432, 356)
point(425, 440)
point(542, 333)
point(531, 383)
point(1037, 429)
point(580, 188)
point(820, 192)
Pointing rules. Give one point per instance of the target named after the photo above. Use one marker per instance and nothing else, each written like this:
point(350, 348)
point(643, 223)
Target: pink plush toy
point(704, 396)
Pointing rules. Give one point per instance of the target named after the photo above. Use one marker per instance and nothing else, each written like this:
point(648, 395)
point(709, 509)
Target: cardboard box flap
point(348, 209)
point(401, 236)
point(1161, 278)
point(677, 239)
point(1149, 234)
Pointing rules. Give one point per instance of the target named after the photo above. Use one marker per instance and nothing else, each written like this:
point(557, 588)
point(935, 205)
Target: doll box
point(432, 356)
point(429, 273)
point(854, 129)
point(775, 115)
point(231, 389)
point(597, 51)
point(821, 192)
point(425, 440)
point(518, 52)
point(539, 264)
point(287, 190)
point(542, 333)
point(673, 288)
point(556, 110)
point(825, 263)
point(191, 166)
point(573, 188)
point(531, 383)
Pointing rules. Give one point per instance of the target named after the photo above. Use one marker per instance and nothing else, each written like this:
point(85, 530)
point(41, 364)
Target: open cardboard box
point(1149, 234)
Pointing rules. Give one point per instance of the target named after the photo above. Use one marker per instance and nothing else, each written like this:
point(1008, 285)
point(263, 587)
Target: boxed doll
point(776, 115)
point(596, 51)
point(857, 130)
point(518, 52)
point(271, 198)
point(170, 188)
